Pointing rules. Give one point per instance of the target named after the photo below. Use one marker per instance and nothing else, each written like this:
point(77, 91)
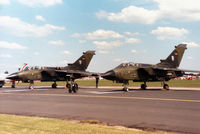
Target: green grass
point(10, 124)
point(172, 83)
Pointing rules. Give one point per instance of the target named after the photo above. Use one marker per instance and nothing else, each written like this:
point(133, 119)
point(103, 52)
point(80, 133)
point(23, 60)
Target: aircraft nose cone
point(110, 75)
point(13, 76)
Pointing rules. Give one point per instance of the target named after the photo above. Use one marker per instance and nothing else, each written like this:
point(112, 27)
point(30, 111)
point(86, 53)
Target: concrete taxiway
point(176, 110)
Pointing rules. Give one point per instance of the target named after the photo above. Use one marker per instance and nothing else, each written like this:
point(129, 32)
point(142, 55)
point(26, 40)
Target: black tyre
point(125, 89)
point(54, 85)
point(1, 84)
point(68, 86)
point(166, 86)
point(76, 86)
point(143, 87)
point(31, 87)
point(74, 89)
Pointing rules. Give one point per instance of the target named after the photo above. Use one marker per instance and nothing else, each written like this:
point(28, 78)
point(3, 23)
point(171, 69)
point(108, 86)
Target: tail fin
point(174, 59)
point(83, 62)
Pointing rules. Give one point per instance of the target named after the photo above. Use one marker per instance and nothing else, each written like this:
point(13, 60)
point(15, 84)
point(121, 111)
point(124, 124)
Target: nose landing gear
point(125, 89)
point(31, 85)
point(166, 87)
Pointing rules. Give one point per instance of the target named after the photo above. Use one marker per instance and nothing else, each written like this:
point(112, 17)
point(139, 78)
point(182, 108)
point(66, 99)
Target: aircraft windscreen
point(125, 65)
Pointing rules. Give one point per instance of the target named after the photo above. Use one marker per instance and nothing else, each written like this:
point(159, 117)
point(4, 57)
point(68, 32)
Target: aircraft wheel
point(13, 84)
point(143, 87)
point(31, 87)
point(125, 89)
point(54, 85)
point(1, 85)
point(75, 88)
point(68, 86)
point(166, 86)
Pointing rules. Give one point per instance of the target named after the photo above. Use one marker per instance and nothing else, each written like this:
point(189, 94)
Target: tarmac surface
point(176, 110)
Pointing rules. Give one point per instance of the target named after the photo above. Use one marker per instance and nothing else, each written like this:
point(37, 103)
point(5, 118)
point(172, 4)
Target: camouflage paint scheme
point(164, 71)
point(67, 73)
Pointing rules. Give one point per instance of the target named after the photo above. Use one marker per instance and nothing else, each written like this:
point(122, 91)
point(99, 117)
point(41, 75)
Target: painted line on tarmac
point(19, 90)
point(104, 92)
point(106, 97)
point(11, 90)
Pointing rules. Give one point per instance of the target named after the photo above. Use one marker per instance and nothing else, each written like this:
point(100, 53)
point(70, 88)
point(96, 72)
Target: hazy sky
point(56, 32)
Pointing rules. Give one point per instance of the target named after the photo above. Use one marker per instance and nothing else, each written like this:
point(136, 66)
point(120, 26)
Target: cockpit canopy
point(133, 65)
point(40, 68)
point(125, 65)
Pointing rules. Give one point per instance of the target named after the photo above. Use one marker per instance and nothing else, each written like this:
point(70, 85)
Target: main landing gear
point(144, 86)
point(13, 84)
point(1, 84)
point(73, 87)
point(54, 85)
point(165, 86)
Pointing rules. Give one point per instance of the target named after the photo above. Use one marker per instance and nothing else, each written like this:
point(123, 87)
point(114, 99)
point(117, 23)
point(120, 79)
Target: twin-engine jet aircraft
point(164, 71)
point(68, 73)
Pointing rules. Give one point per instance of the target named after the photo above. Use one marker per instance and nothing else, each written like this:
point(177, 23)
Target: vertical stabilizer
point(83, 62)
point(174, 59)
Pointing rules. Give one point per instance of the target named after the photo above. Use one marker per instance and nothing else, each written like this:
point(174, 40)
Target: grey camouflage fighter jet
point(68, 73)
point(164, 71)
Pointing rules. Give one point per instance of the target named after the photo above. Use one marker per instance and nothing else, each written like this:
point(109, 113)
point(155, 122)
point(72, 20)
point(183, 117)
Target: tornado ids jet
point(68, 73)
point(164, 71)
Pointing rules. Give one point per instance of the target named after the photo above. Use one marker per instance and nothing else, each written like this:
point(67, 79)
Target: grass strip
point(172, 83)
point(11, 124)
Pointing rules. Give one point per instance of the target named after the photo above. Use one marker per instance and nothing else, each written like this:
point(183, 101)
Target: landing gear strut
point(165, 86)
point(1, 85)
point(54, 85)
point(73, 87)
point(31, 85)
point(125, 89)
point(97, 81)
point(144, 86)
point(13, 84)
